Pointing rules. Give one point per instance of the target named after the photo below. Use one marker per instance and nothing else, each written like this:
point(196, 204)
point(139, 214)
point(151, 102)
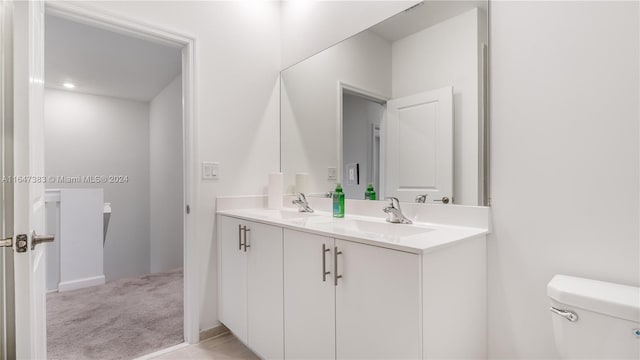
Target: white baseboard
point(213, 332)
point(81, 283)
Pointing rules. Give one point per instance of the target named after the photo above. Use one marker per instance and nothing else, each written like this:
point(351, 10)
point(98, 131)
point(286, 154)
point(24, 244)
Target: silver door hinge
point(8, 242)
point(188, 209)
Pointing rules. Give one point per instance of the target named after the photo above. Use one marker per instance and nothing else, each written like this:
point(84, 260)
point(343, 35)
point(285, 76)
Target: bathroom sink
point(273, 214)
point(374, 229)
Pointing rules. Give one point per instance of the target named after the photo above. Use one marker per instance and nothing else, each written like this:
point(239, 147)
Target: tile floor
point(221, 347)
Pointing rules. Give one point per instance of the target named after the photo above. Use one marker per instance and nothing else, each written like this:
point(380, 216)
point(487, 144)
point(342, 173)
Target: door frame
point(344, 87)
point(187, 42)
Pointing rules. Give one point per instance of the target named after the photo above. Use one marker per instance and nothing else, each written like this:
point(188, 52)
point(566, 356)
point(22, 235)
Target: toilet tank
point(595, 319)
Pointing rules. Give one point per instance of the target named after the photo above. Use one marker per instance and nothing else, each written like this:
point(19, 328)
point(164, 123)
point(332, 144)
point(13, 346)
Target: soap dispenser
point(338, 202)
point(370, 194)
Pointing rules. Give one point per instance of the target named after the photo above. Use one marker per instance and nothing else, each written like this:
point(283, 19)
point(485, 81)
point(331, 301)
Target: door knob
point(444, 200)
point(39, 239)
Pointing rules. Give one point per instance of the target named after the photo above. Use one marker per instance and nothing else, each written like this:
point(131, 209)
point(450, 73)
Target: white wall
point(237, 89)
point(310, 102)
point(564, 159)
point(446, 54)
point(311, 26)
point(166, 172)
point(98, 135)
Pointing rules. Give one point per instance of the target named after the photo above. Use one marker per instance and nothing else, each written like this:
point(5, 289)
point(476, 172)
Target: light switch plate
point(332, 173)
point(353, 174)
point(210, 170)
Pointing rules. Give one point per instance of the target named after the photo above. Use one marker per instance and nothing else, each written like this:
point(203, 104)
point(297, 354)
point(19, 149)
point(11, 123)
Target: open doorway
point(114, 160)
point(362, 117)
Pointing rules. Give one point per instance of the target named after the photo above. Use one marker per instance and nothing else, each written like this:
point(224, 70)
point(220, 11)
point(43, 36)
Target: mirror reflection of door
point(418, 151)
point(362, 118)
point(419, 146)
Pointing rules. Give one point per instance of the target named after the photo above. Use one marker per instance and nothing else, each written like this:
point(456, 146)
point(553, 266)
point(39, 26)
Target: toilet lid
point(607, 298)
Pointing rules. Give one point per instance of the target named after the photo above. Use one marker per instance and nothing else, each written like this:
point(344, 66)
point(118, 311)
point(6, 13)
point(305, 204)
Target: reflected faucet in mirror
point(303, 204)
point(394, 213)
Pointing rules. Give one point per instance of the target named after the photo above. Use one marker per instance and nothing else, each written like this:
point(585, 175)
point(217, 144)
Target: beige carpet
point(122, 319)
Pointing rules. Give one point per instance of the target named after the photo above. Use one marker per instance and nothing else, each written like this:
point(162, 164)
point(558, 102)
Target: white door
point(309, 304)
point(29, 265)
point(233, 276)
point(7, 323)
point(419, 146)
point(377, 303)
point(264, 284)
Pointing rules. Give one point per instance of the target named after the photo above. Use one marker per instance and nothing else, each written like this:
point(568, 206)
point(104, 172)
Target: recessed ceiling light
point(68, 85)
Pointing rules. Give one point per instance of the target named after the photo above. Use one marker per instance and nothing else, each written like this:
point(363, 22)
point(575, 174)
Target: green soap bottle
point(370, 194)
point(338, 202)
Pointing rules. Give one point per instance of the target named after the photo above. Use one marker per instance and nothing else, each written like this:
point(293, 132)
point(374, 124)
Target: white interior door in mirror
point(419, 146)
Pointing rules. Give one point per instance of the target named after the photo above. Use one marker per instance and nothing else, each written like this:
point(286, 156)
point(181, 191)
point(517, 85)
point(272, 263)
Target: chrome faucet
point(421, 198)
point(394, 213)
point(303, 205)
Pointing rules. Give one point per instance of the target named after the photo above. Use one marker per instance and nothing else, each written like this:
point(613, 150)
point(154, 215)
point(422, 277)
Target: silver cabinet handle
point(245, 229)
point(567, 314)
point(324, 262)
point(335, 266)
point(39, 239)
point(239, 237)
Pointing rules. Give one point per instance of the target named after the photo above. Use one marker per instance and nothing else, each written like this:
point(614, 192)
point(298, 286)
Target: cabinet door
point(377, 303)
point(265, 312)
point(309, 305)
point(233, 277)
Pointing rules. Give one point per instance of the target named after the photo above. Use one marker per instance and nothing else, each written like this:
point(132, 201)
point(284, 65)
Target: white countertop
point(417, 238)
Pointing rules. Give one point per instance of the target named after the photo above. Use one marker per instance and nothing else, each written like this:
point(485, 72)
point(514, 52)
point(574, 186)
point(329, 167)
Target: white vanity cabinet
point(377, 303)
point(233, 279)
point(251, 284)
point(350, 316)
point(309, 294)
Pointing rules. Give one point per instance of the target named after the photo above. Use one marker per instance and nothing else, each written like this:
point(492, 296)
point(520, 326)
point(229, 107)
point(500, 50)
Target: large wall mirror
point(400, 106)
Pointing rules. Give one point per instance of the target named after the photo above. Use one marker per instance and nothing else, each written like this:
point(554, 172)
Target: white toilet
point(595, 319)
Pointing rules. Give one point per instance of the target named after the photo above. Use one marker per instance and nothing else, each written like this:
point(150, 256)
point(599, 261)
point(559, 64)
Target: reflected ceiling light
point(68, 85)
point(260, 9)
point(298, 8)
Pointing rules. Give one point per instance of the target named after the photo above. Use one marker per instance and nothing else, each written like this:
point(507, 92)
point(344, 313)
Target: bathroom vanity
point(307, 285)
point(401, 108)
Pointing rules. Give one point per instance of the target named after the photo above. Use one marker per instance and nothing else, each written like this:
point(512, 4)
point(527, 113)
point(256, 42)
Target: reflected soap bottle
point(370, 194)
point(338, 202)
